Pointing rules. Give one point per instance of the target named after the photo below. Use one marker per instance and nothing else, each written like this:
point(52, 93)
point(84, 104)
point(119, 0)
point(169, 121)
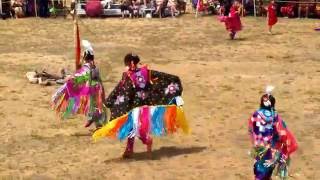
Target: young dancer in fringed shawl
point(144, 103)
point(272, 142)
point(272, 15)
point(83, 93)
point(232, 21)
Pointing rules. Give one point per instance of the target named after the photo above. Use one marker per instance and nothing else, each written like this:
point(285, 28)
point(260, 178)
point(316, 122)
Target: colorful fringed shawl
point(272, 140)
point(156, 120)
point(142, 103)
point(142, 87)
point(80, 95)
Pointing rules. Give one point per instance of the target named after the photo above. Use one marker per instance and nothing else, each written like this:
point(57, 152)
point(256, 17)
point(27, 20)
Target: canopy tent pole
point(35, 8)
point(76, 39)
point(1, 7)
point(254, 8)
point(53, 8)
point(242, 8)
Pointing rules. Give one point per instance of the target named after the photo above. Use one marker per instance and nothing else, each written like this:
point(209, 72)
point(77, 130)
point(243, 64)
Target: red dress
point(233, 22)
point(272, 15)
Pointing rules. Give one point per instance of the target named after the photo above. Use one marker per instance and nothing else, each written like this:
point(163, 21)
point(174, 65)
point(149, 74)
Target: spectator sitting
point(72, 8)
point(172, 6)
point(149, 4)
point(159, 7)
point(181, 6)
point(135, 5)
point(126, 6)
point(17, 10)
point(106, 4)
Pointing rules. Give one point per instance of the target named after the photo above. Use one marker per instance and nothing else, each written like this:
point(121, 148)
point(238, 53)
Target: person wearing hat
point(83, 93)
point(272, 142)
point(144, 103)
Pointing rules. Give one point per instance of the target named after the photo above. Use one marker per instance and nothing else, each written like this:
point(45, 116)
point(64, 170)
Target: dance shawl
point(82, 94)
point(272, 14)
point(144, 102)
point(267, 128)
point(233, 22)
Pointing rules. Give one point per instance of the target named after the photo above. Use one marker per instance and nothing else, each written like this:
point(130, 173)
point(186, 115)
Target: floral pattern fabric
point(142, 87)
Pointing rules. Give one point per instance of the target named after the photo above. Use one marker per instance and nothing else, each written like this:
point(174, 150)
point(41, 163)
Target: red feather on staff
point(77, 45)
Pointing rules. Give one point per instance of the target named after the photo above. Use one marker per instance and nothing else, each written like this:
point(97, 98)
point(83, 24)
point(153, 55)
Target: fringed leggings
point(262, 172)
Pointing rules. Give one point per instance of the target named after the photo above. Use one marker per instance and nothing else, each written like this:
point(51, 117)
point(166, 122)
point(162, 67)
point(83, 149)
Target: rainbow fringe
point(156, 120)
point(68, 104)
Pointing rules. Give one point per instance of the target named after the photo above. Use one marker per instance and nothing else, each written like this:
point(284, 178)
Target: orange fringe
point(59, 104)
point(113, 132)
point(170, 119)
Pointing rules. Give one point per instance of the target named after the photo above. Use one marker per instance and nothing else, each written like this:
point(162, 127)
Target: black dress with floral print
point(132, 91)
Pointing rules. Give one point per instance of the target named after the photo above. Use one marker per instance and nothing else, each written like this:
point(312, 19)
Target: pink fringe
point(144, 121)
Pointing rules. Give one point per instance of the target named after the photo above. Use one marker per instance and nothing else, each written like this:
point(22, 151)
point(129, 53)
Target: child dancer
point(232, 21)
point(272, 142)
point(83, 93)
point(144, 102)
point(272, 15)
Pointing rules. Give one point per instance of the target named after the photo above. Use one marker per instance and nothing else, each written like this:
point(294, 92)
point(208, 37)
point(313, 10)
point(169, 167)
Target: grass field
point(223, 81)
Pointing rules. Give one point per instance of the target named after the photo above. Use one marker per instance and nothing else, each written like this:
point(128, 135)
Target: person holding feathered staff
point(83, 93)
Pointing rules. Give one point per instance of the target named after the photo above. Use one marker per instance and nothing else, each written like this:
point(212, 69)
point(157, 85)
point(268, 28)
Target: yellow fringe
point(110, 128)
point(107, 130)
point(181, 121)
point(59, 102)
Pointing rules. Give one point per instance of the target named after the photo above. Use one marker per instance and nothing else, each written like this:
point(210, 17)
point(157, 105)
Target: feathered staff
point(77, 41)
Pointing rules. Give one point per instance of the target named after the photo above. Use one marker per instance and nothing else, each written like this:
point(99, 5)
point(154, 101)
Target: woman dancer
point(144, 103)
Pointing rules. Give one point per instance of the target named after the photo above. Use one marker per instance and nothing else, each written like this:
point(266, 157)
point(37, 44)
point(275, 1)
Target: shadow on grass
point(81, 134)
point(158, 154)
point(240, 39)
point(276, 33)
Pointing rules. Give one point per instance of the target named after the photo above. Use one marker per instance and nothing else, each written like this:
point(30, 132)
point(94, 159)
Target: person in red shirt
point(233, 22)
point(232, 19)
point(272, 15)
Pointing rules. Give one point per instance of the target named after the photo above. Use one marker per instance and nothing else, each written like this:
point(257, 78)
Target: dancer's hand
point(179, 101)
point(283, 159)
point(268, 163)
point(68, 77)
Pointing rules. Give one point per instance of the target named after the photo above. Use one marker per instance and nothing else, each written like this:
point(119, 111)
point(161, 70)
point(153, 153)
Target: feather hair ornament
point(269, 89)
point(87, 46)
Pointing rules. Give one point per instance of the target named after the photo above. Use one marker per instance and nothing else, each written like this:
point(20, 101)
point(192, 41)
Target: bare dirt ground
point(223, 81)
